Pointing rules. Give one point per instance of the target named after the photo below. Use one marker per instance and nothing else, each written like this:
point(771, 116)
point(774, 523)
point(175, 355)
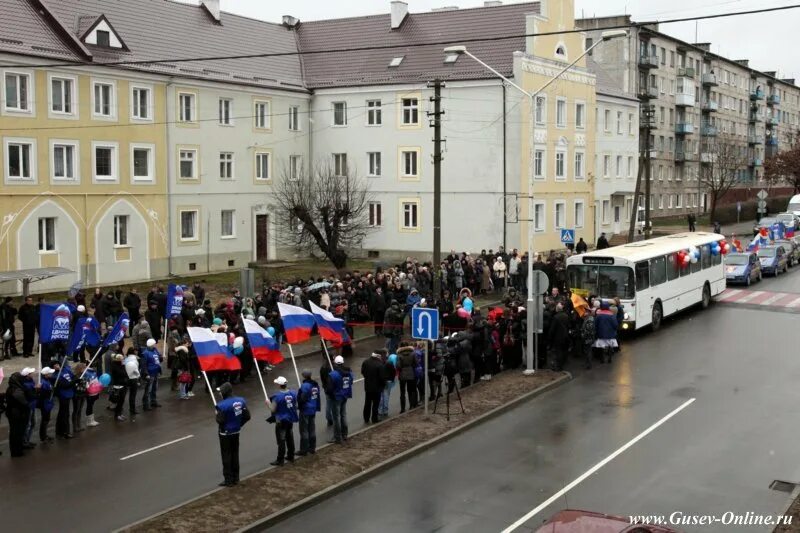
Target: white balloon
point(694, 259)
point(238, 342)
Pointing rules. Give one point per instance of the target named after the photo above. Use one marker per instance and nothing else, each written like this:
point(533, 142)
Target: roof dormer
point(102, 34)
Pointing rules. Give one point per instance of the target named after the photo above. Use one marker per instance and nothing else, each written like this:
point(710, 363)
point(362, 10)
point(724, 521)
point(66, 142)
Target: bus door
point(644, 297)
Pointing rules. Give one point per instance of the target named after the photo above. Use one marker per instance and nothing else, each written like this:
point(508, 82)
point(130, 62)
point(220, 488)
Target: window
point(663, 56)
point(225, 110)
point(61, 95)
point(395, 62)
point(606, 211)
point(294, 118)
point(263, 166)
point(673, 268)
point(678, 201)
point(607, 120)
point(140, 103)
point(630, 123)
point(64, 161)
point(410, 111)
point(374, 116)
point(642, 275)
point(541, 109)
point(560, 165)
point(188, 164)
point(630, 166)
point(262, 115)
point(561, 214)
point(20, 160)
point(189, 226)
point(186, 102)
point(105, 161)
point(606, 166)
point(227, 229)
point(17, 93)
point(410, 215)
point(143, 162)
point(561, 113)
point(539, 217)
point(579, 165)
point(295, 166)
point(538, 164)
point(672, 58)
point(578, 213)
point(619, 122)
point(340, 114)
point(226, 165)
point(375, 215)
point(340, 165)
point(658, 271)
point(410, 163)
point(374, 164)
point(47, 234)
point(580, 116)
point(669, 201)
point(661, 201)
point(103, 100)
point(103, 38)
point(121, 230)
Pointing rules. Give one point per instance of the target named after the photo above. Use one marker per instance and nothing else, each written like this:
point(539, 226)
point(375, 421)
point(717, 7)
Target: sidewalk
point(743, 228)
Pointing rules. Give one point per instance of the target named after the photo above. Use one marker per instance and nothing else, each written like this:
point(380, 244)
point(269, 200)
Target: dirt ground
point(268, 492)
point(794, 513)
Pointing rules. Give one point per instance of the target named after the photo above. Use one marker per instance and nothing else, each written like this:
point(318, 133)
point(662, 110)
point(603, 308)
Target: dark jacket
point(324, 377)
point(27, 315)
point(18, 398)
point(393, 321)
point(372, 370)
point(118, 374)
point(558, 334)
point(132, 302)
point(606, 325)
point(406, 361)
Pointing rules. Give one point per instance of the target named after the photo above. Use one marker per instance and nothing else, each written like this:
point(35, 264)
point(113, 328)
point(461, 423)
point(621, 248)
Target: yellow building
point(563, 188)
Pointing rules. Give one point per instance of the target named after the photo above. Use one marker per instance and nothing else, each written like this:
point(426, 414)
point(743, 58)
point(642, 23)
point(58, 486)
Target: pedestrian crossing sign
point(568, 236)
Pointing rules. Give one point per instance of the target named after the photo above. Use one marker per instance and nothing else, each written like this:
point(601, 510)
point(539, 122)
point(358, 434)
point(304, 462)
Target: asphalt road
point(716, 391)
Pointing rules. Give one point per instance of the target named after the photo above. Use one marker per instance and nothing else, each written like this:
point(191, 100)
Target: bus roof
point(641, 250)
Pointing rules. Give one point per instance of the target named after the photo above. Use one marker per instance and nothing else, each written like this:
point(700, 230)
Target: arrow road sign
point(568, 236)
point(762, 194)
point(425, 323)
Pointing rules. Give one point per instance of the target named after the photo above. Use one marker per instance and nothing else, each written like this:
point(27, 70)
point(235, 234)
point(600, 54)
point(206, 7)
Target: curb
point(275, 518)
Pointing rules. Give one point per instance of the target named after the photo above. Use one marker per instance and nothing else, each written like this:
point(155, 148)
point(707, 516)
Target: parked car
point(773, 259)
point(742, 268)
point(765, 222)
point(792, 251)
point(575, 521)
point(790, 220)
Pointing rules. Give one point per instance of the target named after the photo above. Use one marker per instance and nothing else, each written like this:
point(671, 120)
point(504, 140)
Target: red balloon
point(763, 232)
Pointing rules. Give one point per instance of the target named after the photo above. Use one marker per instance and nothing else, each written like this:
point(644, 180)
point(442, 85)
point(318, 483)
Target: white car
point(790, 220)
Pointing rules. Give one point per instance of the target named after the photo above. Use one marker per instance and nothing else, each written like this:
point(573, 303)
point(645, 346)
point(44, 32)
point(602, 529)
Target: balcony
point(774, 99)
point(686, 72)
point(708, 131)
point(708, 158)
point(753, 139)
point(756, 117)
point(648, 93)
point(682, 128)
point(757, 94)
point(680, 156)
point(772, 121)
point(710, 106)
point(756, 162)
point(684, 100)
point(648, 60)
point(772, 141)
point(710, 80)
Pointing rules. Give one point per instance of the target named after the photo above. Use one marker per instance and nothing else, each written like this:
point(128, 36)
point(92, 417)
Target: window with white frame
point(103, 98)
point(20, 155)
point(17, 92)
point(606, 166)
point(340, 165)
point(294, 118)
point(541, 110)
point(619, 123)
point(538, 164)
point(539, 216)
point(189, 229)
point(561, 171)
point(227, 222)
point(410, 214)
point(47, 234)
point(295, 166)
point(579, 213)
point(630, 123)
point(375, 214)
point(374, 164)
point(121, 230)
point(619, 166)
point(226, 165)
point(105, 161)
point(678, 201)
point(263, 165)
point(374, 113)
point(410, 111)
point(64, 161)
point(62, 95)
point(140, 103)
point(561, 113)
point(340, 113)
point(580, 115)
point(410, 162)
point(669, 201)
point(630, 166)
point(607, 120)
point(606, 211)
point(188, 164)
point(261, 114)
point(143, 162)
point(187, 107)
point(561, 214)
point(225, 111)
point(579, 166)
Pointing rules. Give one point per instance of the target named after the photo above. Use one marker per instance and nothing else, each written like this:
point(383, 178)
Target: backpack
point(81, 387)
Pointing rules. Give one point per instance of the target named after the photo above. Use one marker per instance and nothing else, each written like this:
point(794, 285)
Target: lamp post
point(462, 50)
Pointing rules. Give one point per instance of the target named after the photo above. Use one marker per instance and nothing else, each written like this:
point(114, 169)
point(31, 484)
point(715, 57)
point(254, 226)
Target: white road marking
point(131, 456)
point(730, 293)
point(753, 294)
point(772, 299)
point(793, 303)
point(595, 468)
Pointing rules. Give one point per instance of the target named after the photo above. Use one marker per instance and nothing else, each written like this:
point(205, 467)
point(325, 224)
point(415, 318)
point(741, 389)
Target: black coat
point(132, 302)
point(27, 315)
point(372, 370)
point(17, 398)
point(558, 334)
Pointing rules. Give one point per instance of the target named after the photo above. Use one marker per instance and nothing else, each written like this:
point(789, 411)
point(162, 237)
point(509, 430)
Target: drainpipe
point(86, 239)
point(169, 178)
point(505, 174)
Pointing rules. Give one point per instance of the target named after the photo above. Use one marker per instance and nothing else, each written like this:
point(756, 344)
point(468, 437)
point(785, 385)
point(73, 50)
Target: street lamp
point(462, 50)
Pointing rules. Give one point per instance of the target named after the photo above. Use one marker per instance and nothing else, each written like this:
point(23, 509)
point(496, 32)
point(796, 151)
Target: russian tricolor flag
point(262, 344)
point(330, 328)
point(210, 353)
point(297, 323)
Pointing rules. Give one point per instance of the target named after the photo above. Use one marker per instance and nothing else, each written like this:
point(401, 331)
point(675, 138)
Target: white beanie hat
point(27, 371)
point(81, 309)
point(151, 343)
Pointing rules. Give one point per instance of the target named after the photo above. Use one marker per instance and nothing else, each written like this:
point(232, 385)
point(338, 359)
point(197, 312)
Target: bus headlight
point(625, 325)
point(626, 316)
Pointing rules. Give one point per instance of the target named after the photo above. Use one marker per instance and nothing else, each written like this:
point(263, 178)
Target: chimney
point(399, 13)
point(212, 6)
point(290, 21)
point(492, 3)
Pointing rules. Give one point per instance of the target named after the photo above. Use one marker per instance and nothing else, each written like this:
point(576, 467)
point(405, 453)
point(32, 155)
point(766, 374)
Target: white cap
point(280, 380)
point(238, 342)
point(262, 320)
point(250, 317)
point(27, 371)
point(151, 343)
point(200, 312)
point(47, 371)
point(338, 360)
point(81, 309)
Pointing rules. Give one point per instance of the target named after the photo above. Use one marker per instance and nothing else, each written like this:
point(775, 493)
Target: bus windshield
point(603, 281)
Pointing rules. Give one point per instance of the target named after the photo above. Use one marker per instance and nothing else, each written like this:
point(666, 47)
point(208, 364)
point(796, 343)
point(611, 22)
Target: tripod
point(450, 382)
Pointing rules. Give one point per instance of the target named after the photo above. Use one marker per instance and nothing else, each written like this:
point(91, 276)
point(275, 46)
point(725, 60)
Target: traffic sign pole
point(425, 379)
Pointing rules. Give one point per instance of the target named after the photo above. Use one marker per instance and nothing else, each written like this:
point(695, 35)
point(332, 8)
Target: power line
point(404, 46)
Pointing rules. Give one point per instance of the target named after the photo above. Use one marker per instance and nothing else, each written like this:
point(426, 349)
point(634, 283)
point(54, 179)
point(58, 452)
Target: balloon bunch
point(685, 257)
point(764, 232)
point(721, 247)
point(238, 346)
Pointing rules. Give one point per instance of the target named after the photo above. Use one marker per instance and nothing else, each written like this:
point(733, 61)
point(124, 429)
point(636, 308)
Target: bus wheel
point(658, 314)
point(706, 301)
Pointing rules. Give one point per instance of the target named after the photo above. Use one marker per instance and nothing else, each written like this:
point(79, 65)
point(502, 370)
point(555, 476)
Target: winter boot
point(91, 422)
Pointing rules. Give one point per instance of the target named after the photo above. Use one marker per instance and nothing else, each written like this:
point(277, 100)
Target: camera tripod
point(451, 384)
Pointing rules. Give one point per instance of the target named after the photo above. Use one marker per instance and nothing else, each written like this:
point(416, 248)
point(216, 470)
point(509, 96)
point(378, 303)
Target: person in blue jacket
point(605, 324)
point(31, 393)
point(309, 403)
point(65, 391)
point(232, 414)
point(284, 408)
point(152, 360)
point(45, 403)
point(342, 384)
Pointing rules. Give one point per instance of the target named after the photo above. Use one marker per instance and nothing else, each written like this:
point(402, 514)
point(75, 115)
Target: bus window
point(705, 256)
point(697, 265)
point(673, 269)
point(658, 271)
point(642, 276)
point(716, 259)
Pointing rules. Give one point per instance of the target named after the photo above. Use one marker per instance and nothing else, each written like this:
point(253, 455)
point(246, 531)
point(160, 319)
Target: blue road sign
point(425, 323)
point(568, 236)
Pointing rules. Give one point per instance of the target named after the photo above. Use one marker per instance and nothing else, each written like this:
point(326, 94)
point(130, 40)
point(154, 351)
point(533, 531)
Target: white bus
point(647, 279)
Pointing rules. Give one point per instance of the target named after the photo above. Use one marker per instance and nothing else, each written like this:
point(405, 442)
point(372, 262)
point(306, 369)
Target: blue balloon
point(271, 331)
point(238, 351)
point(105, 380)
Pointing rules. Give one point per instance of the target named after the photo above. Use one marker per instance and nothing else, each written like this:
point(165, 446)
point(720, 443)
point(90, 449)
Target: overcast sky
point(764, 39)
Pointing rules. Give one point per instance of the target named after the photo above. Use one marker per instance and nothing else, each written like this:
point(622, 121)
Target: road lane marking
point(772, 299)
point(748, 297)
point(794, 303)
point(131, 456)
point(729, 293)
point(595, 468)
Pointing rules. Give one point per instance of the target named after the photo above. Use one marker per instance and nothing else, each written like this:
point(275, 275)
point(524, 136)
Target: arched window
point(561, 51)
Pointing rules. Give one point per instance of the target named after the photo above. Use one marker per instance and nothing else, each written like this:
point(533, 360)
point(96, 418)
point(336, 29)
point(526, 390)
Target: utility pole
point(648, 117)
point(436, 124)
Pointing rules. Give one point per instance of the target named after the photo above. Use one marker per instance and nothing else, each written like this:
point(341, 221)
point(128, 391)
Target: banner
point(118, 332)
point(54, 323)
point(174, 301)
point(87, 331)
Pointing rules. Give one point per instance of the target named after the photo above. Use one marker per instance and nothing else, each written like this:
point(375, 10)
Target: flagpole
point(255, 362)
point(291, 352)
point(89, 365)
point(325, 347)
point(213, 399)
point(164, 337)
point(40, 363)
point(58, 376)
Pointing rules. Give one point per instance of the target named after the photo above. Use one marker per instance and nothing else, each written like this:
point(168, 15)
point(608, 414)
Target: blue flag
point(86, 333)
point(118, 332)
point(174, 300)
point(54, 323)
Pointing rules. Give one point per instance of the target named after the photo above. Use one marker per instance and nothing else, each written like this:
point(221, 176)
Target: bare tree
point(784, 167)
point(320, 210)
point(725, 161)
